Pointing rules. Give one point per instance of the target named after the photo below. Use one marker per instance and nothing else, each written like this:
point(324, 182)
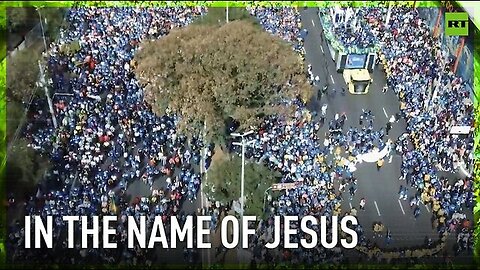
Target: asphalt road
point(379, 188)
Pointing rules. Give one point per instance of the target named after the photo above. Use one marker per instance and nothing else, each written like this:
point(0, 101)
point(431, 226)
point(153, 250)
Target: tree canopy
point(21, 18)
point(55, 21)
point(206, 74)
point(224, 183)
point(24, 167)
point(22, 75)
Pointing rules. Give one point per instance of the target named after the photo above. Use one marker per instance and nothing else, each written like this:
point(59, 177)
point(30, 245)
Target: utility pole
point(226, 12)
point(265, 198)
point(243, 143)
point(203, 198)
point(43, 84)
point(43, 30)
point(389, 12)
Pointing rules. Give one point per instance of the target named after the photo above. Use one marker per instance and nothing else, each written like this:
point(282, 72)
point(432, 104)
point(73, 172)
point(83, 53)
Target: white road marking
point(376, 206)
point(321, 47)
point(331, 77)
point(201, 186)
point(385, 112)
point(204, 203)
point(313, 23)
point(202, 199)
point(401, 206)
point(350, 205)
point(426, 207)
point(390, 160)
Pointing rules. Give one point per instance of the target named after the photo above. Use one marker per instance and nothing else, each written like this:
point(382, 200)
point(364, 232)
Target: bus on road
point(358, 81)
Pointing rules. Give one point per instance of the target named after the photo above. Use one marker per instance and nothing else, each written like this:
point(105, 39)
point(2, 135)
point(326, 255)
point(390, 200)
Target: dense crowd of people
point(107, 136)
point(351, 29)
point(347, 27)
point(432, 101)
point(414, 67)
point(282, 22)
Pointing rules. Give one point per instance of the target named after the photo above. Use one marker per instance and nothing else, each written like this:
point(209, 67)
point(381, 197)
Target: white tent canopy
point(460, 130)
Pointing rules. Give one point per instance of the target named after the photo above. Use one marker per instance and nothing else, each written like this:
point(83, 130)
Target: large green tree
point(25, 168)
point(21, 18)
point(206, 74)
point(22, 75)
point(224, 183)
point(15, 119)
point(55, 18)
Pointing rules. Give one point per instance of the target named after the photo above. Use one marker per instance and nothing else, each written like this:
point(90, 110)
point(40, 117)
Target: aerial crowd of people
point(415, 65)
point(345, 29)
point(108, 138)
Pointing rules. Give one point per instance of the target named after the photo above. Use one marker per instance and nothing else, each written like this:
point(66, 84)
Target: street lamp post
point(389, 13)
point(265, 198)
point(226, 12)
point(243, 143)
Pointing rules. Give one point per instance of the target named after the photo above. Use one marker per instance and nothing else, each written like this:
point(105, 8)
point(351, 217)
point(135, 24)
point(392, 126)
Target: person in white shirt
point(362, 203)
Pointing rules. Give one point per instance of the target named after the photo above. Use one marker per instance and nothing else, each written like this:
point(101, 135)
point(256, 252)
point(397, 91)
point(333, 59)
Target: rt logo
point(456, 24)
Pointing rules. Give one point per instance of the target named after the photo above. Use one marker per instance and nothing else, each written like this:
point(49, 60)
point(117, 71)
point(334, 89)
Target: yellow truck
point(358, 81)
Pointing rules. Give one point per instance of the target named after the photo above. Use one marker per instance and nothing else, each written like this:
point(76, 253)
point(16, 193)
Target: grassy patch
point(218, 16)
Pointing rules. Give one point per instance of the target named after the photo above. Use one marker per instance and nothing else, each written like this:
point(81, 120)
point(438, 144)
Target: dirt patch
point(219, 154)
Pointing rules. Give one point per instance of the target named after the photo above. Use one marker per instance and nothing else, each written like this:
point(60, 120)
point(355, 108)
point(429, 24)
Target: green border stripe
point(476, 172)
point(206, 3)
point(3, 132)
